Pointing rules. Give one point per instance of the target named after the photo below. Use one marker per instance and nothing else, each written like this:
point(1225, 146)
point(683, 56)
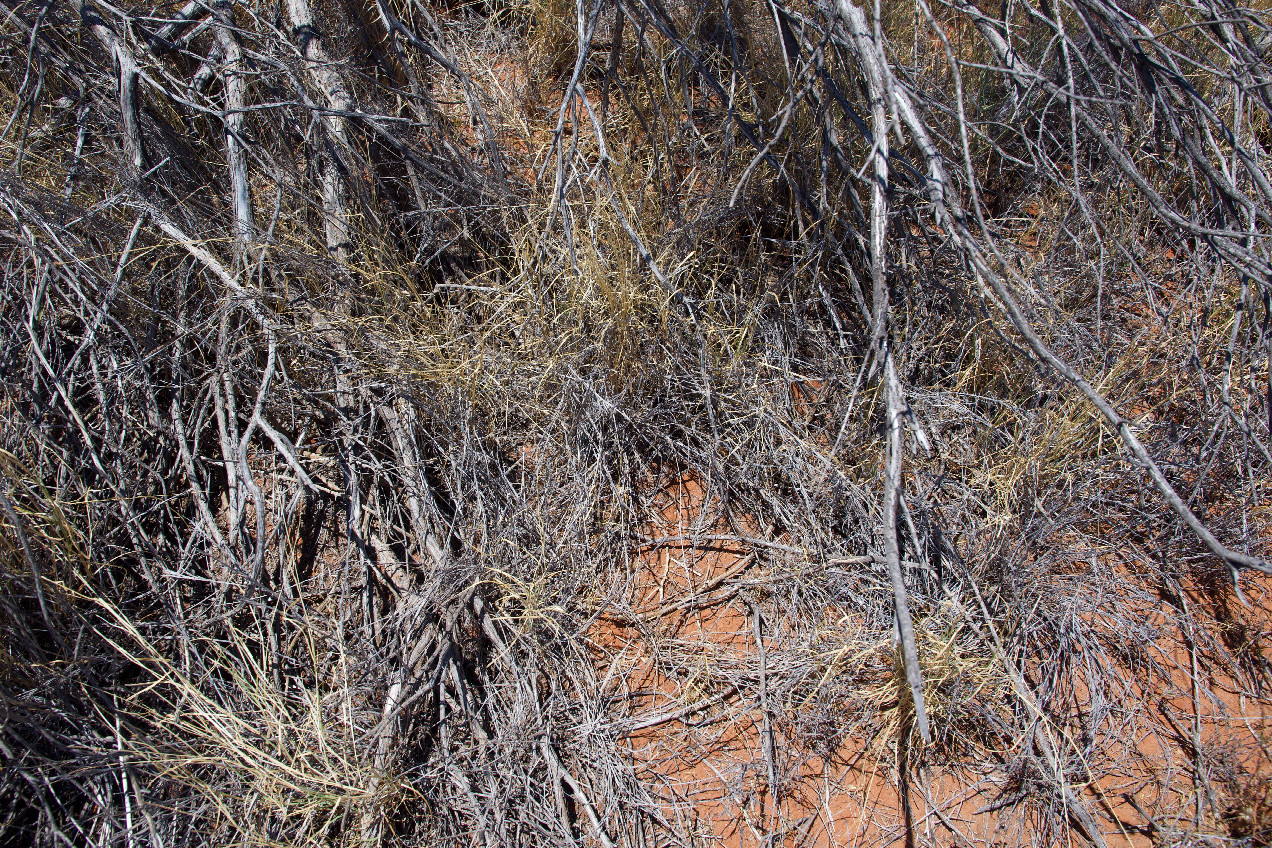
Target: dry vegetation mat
point(635, 422)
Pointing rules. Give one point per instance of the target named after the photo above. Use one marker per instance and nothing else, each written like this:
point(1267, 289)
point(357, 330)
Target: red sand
point(700, 743)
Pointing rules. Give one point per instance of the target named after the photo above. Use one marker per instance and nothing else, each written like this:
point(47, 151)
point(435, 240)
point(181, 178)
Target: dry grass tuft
point(634, 424)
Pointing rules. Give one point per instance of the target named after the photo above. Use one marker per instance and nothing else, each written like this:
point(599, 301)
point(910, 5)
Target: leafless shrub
point(347, 350)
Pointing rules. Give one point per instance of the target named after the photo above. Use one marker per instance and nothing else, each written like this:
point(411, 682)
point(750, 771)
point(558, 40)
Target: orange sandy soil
point(713, 754)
